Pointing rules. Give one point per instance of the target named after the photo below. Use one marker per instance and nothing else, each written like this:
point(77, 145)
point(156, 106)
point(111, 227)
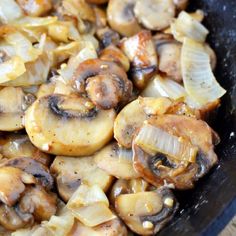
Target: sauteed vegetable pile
point(105, 112)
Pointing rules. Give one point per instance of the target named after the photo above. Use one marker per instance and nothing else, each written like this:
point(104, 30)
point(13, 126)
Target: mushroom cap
point(50, 118)
point(121, 17)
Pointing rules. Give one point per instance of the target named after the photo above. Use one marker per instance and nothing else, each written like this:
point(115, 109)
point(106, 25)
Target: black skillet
point(210, 206)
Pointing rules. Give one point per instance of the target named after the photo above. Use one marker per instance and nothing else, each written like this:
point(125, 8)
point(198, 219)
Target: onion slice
point(186, 26)
point(199, 80)
point(154, 140)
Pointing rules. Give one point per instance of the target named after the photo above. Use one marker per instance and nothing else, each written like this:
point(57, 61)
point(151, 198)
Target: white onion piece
point(36, 72)
point(186, 26)
point(11, 69)
point(9, 11)
point(23, 47)
point(164, 87)
point(199, 80)
point(125, 154)
point(154, 140)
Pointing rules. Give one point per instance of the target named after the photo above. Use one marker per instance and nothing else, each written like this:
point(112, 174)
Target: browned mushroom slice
point(127, 121)
point(107, 37)
point(122, 186)
point(121, 17)
point(155, 14)
point(116, 161)
point(70, 172)
point(12, 184)
point(169, 53)
point(101, 17)
point(12, 219)
point(19, 145)
point(48, 120)
point(141, 52)
point(35, 7)
point(38, 202)
point(30, 166)
point(146, 213)
point(13, 102)
point(177, 150)
point(114, 54)
point(105, 82)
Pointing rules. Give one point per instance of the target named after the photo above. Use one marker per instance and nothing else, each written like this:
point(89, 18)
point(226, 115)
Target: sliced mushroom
point(122, 186)
point(127, 121)
point(30, 166)
point(121, 17)
point(146, 213)
point(155, 14)
point(12, 219)
point(38, 202)
point(12, 184)
point(48, 120)
point(19, 145)
point(70, 172)
point(187, 155)
point(114, 54)
point(107, 37)
point(116, 161)
point(105, 82)
point(169, 52)
point(13, 102)
point(35, 7)
point(101, 17)
point(141, 52)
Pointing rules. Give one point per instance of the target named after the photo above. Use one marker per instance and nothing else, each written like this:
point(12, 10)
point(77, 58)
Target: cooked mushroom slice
point(122, 186)
point(97, 1)
point(155, 14)
point(105, 82)
point(121, 17)
point(114, 54)
point(107, 37)
point(146, 213)
point(12, 185)
point(101, 17)
point(174, 149)
point(141, 52)
point(30, 166)
point(38, 202)
point(116, 161)
point(19, 145)
point(169, 53)
point(13, 102)
point(181, 4)
point(113, 227)
point(12, 219)
point(127, 121)
point(70, 172)
point(35, 7)
point(48, 120)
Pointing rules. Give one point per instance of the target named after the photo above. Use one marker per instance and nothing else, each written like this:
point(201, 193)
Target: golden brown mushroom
point(35, 7)
point(105, 82)
point(146, 212)
point(48, 120)
point(121, 17)
point(155, 14)
point(13, 103)
point(177, 150)
point(19, 145)
point(114, 54)
point(141, 52)
point(71, 172)
point(116, 161)
point(181, 4)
